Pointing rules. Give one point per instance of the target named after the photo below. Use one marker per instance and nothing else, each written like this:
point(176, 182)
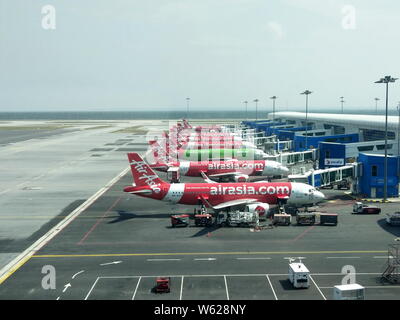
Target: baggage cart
point(282, 219)
point(203, 220)
point(328, 219)
point(305, 218)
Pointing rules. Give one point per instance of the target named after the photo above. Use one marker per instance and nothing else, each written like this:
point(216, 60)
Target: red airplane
point(213, 128)
point(209, 142)
point(233, 169)
point(256, 196)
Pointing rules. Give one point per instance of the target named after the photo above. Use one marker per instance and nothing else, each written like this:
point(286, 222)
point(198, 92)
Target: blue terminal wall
point(289, 133)
point(300, 141)
point(252, 124)
point(368, 181)
point(329, 150)
point(266, 127)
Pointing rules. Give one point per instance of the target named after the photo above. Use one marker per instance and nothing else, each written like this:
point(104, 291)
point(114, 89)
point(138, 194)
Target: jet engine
point(241, 178)
point(259, 207)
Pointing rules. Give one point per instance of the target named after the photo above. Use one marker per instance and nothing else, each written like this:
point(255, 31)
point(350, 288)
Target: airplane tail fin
point(142, 174)
point(159, 151)
point(186, 124)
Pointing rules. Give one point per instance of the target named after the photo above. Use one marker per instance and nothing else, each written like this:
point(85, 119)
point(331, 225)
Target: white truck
point(237, 219)
point(299, 275)
point(349, 292)
point(393, 219)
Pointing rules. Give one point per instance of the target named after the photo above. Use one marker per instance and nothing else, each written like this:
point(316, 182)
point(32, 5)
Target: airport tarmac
point(49, 168)
point(112, 245)
point(116, 247)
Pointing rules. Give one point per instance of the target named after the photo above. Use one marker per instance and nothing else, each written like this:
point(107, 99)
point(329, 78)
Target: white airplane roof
point(359, 120)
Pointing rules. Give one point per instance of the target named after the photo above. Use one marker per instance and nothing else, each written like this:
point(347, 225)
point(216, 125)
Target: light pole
point(342, 101)
point(398, 148)
point(376, 105)
point(256, 101)
point(386, 80)
point(245, 102)
point(307, 92)
point(187, 108)
point(273, 108)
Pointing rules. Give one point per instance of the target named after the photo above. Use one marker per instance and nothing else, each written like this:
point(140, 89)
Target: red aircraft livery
point(218, 195)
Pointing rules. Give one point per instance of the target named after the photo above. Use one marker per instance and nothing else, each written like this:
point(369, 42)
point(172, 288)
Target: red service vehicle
point(162, 285)
point(180, 220)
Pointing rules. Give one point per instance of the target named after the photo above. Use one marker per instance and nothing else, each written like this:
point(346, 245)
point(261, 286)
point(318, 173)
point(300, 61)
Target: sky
point(99, 55)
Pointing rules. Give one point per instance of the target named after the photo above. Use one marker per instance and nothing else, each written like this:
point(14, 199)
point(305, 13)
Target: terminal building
point(340, 140)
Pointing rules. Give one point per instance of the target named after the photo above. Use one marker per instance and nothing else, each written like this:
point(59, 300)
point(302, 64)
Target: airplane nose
point(284, 171)
point(319, 196)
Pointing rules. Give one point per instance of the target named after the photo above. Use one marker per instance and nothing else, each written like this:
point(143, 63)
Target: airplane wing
point(225, 174)
point(228, 203)
point(234, 203)
point(206, 179)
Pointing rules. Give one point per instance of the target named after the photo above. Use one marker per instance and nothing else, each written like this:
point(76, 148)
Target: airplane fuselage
point(217, 193)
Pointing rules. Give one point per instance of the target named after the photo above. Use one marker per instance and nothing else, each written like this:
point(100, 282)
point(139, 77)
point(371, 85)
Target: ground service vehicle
point(299, 275)
point(237, 219)
point(361, 208)
point(393, 219)
point(204, 220)
point(162, 285)
point(180, 220)
point(349, 292)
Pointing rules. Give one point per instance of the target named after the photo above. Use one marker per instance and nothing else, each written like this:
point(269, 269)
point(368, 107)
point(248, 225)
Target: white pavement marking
point(226, 288)
point(66, 287)
point(73, 277)
point(180, 295)
point(318, 288)
point(205, 259)
point(108, 263)
point(229, 275)
point(383, 257)
point(163, 259)
point(12, 266)
point(137, 286)
point(253, 258)
point(343, 257)
point(270, 283)
point(91, 289)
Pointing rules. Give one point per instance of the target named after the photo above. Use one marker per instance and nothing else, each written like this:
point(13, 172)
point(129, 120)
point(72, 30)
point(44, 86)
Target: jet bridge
point(326, 177)
point(291, 158)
